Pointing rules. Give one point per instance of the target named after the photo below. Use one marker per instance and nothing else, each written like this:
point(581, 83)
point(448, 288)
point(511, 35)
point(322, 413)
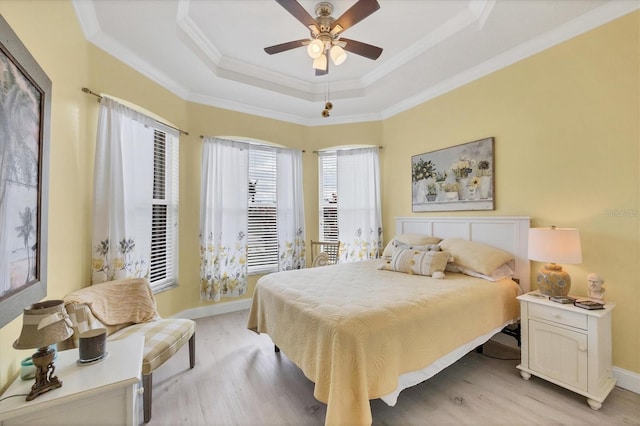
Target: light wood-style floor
point(239, 380)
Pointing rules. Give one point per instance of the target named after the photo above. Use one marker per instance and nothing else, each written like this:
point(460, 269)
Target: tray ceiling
point(211, 51)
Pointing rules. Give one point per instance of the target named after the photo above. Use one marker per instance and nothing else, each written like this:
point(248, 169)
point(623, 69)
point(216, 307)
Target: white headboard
point(509, 233)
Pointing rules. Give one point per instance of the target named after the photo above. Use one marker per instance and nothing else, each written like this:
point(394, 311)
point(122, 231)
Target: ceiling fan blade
point(362, 49)
point(355, 14)
point(285, 46)
point(299, 12)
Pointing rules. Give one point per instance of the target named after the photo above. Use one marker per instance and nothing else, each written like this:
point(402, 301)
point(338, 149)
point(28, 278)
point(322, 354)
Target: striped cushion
point(162, 339)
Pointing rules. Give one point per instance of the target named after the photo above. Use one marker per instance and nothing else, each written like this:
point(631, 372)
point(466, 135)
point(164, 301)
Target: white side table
point(568, 346)
point(102, 393)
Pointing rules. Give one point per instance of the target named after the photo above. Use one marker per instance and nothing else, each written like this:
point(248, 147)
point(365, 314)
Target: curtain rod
point(202, 137)
point(333, 150)
point(85, 90)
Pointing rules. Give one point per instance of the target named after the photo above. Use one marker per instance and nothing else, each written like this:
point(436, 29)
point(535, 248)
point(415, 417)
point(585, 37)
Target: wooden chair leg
point(192, 351)
point(147, 383)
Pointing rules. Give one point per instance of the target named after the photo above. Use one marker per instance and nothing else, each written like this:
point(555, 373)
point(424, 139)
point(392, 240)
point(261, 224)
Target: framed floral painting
point(25, 111)
point(457, 178)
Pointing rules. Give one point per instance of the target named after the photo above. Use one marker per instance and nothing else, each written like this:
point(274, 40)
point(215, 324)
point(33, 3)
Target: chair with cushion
point(324, 253)
point(125, 307)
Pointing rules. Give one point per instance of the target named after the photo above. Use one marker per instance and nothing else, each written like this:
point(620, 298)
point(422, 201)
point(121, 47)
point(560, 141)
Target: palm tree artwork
point(20, 113)
point(25, 230)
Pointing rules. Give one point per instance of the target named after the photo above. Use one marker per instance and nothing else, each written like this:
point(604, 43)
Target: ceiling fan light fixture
point(320, 63)
point(338, 55)
point(315, 48)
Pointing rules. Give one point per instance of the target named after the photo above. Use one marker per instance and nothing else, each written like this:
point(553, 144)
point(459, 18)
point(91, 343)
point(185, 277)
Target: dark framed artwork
point(25, 116)
point(457, 178)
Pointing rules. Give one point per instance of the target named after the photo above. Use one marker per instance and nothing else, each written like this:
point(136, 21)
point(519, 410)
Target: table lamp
point(554, 245)
point(44, 324)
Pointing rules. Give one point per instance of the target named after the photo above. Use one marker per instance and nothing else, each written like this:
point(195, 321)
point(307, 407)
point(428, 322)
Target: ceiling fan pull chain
point(328, 106)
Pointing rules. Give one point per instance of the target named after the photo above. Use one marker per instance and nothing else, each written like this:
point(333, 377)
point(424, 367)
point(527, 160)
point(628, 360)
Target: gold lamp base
point(45, 380)
point(553, 281)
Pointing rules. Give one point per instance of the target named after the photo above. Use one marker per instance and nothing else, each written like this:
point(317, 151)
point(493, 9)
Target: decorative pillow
point(475, 256)
point(410, 239)
point(418, 262)
point(401, 246)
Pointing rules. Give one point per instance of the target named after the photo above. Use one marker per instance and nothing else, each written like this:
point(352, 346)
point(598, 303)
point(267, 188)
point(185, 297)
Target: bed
point(363, 330)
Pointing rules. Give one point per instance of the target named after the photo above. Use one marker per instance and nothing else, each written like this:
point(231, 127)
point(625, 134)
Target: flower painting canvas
point(456, 178)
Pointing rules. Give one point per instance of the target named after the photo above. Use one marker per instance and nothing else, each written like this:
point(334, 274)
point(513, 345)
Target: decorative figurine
point(596, 290)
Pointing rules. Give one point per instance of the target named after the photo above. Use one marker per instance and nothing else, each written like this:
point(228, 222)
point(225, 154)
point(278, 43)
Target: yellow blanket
point(127, 301)
point(353, 329)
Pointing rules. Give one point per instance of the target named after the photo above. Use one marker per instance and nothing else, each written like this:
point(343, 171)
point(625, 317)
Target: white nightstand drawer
point(562, 316)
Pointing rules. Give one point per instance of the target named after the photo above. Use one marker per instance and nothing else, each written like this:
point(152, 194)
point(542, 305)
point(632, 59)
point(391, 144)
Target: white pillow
point(411, 239)
point(478, 257)
point(503, 271)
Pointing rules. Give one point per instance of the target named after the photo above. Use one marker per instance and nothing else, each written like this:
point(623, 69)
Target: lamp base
point(45, 380)
point(553, 281)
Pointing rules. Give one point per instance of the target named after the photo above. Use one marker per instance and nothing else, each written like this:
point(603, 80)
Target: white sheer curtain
point(359, 205)
point(291, 233)
point(123, 190)
point(223, 219)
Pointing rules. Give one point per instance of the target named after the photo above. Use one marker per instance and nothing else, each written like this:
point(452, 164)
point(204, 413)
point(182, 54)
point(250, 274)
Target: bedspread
point(353, 329)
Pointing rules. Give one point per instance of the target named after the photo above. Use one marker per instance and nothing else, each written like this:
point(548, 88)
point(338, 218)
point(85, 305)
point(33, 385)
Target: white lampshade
point(338, 55)
point(555, 245)
point(320, 63)
point(315, 48)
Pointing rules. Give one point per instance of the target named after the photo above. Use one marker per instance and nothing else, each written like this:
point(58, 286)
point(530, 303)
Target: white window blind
point(328, 190)
point(262, 230)
point(164, 221)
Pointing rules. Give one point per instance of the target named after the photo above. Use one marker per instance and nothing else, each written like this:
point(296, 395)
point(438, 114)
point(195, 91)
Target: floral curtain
point(223, 219)
point(123, 190)
point(290, 217)
point(359, 206)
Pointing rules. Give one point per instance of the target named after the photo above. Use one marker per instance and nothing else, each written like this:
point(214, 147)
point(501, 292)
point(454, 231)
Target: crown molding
point(571, 29)
point(475, 13)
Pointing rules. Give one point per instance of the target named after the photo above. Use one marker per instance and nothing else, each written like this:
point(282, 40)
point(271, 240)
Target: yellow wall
point(565, 123)
point(566, 128)
point(50, 33)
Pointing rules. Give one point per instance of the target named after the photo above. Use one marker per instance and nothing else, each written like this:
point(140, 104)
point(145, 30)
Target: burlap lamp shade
point(43, 324)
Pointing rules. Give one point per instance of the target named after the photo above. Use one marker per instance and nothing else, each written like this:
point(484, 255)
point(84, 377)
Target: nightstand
point(102, 393)
point(567, 345)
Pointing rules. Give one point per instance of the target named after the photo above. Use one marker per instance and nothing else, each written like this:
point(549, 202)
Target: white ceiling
point(211, 51)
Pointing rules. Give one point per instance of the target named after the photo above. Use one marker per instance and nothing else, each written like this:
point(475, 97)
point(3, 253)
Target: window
point(327, 170)
point(262, 228)
point(164, 221)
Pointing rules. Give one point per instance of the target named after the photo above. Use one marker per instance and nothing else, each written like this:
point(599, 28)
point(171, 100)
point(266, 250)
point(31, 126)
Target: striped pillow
point(417, 262)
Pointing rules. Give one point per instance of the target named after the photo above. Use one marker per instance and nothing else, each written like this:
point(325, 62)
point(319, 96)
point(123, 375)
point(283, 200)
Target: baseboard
point(215, 309)
point(627, 379)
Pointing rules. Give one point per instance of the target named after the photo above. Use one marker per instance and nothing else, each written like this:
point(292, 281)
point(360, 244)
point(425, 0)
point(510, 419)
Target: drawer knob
point(582, 348)
point(140, 390)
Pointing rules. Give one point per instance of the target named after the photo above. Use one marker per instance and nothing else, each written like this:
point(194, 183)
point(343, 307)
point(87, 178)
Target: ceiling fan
point(326, 39)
